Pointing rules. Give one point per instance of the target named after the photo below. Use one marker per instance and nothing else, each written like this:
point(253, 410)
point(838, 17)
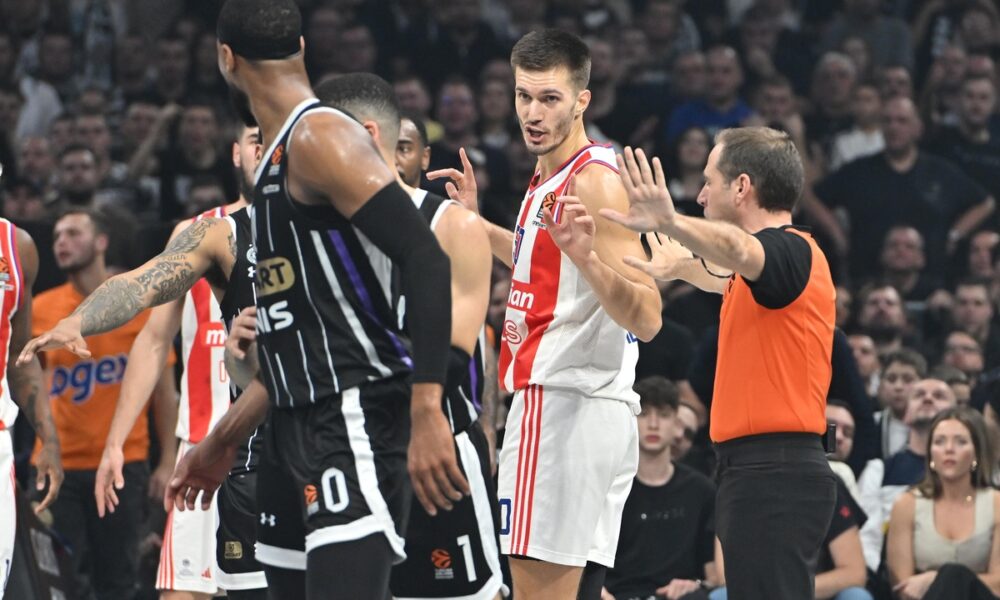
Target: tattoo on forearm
point(25, 388)
point(167, 278)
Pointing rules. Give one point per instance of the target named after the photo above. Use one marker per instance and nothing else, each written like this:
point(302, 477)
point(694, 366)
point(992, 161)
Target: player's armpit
point(464, 239)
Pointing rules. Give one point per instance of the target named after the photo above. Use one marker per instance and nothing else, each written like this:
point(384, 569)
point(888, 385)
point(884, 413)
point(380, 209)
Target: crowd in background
point(119, 106)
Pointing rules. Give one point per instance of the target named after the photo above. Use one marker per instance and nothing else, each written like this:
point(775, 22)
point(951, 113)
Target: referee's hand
point(437, 480)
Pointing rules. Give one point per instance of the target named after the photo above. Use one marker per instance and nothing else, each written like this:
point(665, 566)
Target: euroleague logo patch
point(312, 497)
point(441, 559)
point(547, 202)
point(278, 154)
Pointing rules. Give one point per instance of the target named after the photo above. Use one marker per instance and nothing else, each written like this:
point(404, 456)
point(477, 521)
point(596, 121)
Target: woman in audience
point(943, 540)
point(689, 157)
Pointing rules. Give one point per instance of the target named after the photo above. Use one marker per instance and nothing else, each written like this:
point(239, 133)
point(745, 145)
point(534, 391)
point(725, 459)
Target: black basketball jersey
point(324, 319)
point(464, 392)
point(239, 295)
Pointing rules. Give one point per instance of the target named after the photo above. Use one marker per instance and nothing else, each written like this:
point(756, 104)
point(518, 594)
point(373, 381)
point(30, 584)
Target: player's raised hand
point(650, 206)
point(66, 334)
point(462, 188)
point(201, 470)
point(569, 224)
point(108, 479)
point(431, 461)
point(666, 256)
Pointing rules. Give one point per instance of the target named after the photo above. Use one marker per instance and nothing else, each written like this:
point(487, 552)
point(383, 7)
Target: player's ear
point(425, 161)
point(227, 60)
point(582, 102)
point(372, 128)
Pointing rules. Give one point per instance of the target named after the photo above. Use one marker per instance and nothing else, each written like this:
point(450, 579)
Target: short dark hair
point(771, 161)
point(98, 218)
point(839, 404)
point(418, 122)
point(657, 392)
point(260, 29)
point(982, 282)
point(365, 96)
point(908, 357)
point(75, 147)
point(948, 374)
point(552, 48)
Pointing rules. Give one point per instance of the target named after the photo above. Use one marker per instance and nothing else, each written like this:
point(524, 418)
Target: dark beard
point(241, 106)
point(882, 333)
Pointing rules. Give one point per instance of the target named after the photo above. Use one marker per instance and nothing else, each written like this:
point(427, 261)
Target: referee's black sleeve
point(787, 263)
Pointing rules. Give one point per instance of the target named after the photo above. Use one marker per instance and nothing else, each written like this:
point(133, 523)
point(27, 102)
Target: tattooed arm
point(166, 277)
point(26, 379)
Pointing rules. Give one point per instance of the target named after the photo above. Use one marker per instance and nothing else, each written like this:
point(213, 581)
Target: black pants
point(104, 551)
point(774, 505)
point(957, 582)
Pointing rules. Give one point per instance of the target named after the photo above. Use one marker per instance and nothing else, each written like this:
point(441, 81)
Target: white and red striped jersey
point(10, 301)
point(205, 383)
point(555, 332)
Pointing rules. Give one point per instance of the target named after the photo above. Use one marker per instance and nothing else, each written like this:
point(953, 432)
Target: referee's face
point(716, 196)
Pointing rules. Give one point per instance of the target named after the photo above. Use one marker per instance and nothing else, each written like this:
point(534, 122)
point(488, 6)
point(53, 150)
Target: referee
point(776, 491)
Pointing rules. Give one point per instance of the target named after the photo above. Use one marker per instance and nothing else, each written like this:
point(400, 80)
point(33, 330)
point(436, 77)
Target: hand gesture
point(108, 479)
point(650, 206)
point(915, 586)
point(242, 333)
point(49, 465)
point(666, 255)
point(462, 188)
point(570, 225)
point(66, 334)
point(202, 470)
point(437, 480)
point(678, 588)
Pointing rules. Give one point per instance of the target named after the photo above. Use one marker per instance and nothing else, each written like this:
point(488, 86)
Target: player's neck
point(273, 94)
point(655, 469)
point(549, 163)
point(229, 209)
point(89, 278)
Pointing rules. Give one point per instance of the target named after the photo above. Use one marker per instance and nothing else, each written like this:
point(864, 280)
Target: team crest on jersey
point(518, 237)
point(252, 255)
point(547, 202)
point(5, 274)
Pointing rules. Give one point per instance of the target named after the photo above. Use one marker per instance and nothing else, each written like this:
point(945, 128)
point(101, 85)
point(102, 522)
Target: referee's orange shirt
point(774, 367)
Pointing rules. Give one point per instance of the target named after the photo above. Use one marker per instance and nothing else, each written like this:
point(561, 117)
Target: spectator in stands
point(321, 30)
point(77, 177)
point(904, 185)
point(23, 201)
point(977, 30)
point(867, 358)
point(687, 429)
point(831, 92)
point(942, 533)
point(689, 76)
point(686, 172)
point(206, 79)
point(940, 97)
point(845, 298)
point(669, 32)
point(887, 37)
point(205, 193)
point(36, 162)
point(895, 81)
point(768, 47)
point(963, 352)
point(982, 247)
point(883, 317)
point(61, 133)
point(957, 380)
point(722, 106)
point(928, 398)
point(356, 50)
point(460, 45)
point(413, 97)
point(497, 123)
point(937, 24)
point(41, 103)
point(197, 151)
point(839, 413)
point(972, 312)
point(172, 61)
point(900, 372)
point(903, 261)
point(132, 80)
point(864, 138)
point(55, 64)
point(666, 547)
point(11, 102)
point(92, 130)
point(83, 393)
point(968, 142)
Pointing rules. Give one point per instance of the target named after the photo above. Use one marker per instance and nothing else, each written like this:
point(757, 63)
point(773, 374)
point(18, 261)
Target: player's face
point(716, 195)
point(412, 157)
point(74, 243)
point(547, 105)
point(657, 429)
point(247, 153)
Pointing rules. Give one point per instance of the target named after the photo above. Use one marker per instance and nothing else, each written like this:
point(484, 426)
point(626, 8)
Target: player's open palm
point(463, 187)
point(66, 334)
point(201, 470)
point(667, 254)
point(650, 206)
point(570, 226)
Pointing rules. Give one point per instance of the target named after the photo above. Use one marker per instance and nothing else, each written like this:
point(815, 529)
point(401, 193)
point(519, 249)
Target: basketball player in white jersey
point(568, 351)
point(21, 384)
point(187, 567)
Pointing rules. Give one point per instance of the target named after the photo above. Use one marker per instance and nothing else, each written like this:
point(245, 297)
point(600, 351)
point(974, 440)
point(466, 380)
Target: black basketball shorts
point(236, 564)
